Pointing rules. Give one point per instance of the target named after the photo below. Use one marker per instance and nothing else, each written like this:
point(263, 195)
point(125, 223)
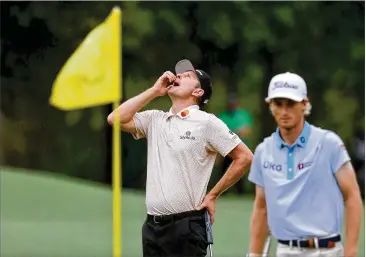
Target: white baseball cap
point(287, 85)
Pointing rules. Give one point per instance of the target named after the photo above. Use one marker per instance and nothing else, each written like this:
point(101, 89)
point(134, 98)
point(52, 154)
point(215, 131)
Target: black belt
point(173, 217)
point(310, 243)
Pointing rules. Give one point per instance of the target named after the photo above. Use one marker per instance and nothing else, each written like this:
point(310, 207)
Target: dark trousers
point(238, 185)
point(177, 235)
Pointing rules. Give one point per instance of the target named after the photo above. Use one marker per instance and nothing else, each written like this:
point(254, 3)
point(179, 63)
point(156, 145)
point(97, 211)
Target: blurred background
point(56, 166)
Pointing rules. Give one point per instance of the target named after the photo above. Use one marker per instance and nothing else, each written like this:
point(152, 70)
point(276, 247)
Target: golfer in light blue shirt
point(304, 179)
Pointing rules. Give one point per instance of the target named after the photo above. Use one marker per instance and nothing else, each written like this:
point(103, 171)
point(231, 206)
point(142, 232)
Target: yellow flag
point(91, 76)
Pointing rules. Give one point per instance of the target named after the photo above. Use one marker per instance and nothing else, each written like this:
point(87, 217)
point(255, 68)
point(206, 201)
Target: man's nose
point(284, 110)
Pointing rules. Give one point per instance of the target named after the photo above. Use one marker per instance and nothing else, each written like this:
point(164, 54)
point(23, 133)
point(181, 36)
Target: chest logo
point(272, 166)
point(188, 136)
point(184, 113)
point(304, 165)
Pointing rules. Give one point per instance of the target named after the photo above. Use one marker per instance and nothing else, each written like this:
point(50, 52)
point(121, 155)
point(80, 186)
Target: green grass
point(44, 215)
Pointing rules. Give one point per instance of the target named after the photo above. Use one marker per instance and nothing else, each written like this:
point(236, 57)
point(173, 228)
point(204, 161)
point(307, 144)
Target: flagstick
point(117, 192)
point(117, 179)
point(107, 38)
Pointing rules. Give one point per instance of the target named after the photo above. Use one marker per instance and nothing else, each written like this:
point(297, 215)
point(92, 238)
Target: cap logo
point(282, 84)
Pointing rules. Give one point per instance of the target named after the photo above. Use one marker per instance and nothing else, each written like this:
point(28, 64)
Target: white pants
point(287, 251)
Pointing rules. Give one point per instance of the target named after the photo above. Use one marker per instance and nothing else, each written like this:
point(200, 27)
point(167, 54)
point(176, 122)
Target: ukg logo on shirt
point(272, 166)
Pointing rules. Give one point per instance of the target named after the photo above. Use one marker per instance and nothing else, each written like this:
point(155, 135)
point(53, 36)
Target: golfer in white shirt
point(182, 147)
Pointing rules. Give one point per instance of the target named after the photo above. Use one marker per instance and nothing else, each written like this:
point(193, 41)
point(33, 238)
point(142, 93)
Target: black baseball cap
point(205, 80)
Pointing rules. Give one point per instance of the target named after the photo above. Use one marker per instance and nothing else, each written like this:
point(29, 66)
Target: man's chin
point(172, 94)
point(171, 90)
point(286, 125)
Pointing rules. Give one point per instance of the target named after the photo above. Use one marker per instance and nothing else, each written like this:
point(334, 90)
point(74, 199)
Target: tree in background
point(241, 44)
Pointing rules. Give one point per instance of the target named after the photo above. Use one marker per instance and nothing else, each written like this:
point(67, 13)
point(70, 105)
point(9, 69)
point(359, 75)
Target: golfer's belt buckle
point(298, 243)
point(311, 243)
point(154, 219)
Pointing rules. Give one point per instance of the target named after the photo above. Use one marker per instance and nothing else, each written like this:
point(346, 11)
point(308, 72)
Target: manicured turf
point(44, 215)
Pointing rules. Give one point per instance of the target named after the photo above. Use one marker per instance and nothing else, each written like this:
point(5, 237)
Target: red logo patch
point(184, 113)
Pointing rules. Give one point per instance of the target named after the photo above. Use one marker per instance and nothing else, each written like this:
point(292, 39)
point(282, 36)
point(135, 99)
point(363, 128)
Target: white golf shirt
point(182, 150)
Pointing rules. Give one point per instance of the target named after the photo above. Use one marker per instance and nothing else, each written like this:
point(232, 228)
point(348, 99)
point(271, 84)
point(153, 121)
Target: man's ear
point(198, 92)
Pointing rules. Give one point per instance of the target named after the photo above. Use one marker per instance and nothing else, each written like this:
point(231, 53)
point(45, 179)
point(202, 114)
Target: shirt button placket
point(290, 163)
point(170, 134)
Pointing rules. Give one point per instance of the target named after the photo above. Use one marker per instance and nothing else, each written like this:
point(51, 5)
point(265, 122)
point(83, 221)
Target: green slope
point(43, 215)
point(47, 216)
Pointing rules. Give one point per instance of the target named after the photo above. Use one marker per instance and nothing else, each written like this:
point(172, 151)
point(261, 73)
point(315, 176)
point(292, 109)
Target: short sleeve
point(255, 173)
point(142, 122)
point(219, 137)
point(338, 152)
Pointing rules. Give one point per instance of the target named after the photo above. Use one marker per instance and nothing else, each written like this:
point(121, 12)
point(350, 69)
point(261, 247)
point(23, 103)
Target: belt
point(311, 242)
point(174, 217)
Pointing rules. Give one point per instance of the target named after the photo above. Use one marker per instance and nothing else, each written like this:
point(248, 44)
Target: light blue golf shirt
point(302, 195)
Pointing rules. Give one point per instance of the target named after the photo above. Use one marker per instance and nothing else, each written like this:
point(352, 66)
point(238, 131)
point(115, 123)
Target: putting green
point(46, 215)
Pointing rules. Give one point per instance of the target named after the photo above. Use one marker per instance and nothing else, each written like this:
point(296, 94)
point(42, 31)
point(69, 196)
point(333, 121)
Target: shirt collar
point(185, 113)
point(300, 141)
